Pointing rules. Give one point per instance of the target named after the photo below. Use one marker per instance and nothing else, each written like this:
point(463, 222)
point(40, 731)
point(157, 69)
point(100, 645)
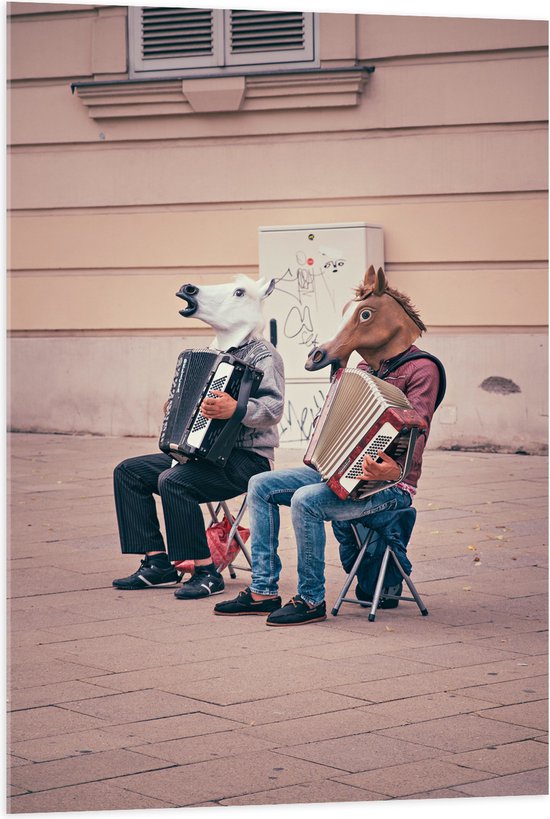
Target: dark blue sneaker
point(202, 584)
point(149, 575)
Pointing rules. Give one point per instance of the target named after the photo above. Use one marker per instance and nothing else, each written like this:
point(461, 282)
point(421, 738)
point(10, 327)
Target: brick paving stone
point(161, 677)
point(534, 642)
point(207, 747)
point(455, 655)
point(440, 681)
point(440, 793)
point(505, 759)
point(526, 783)
point(414, 777)
point(223, 778)
point(361, 752)
point(320, 726)
point(28, 674)
point(47, 721)
point(426, 707)
point(174, 727)
point(89, 768)
point(310, 792)
point(460, 733)
point(532, 714)
point(136, 705)
point(53, 694)
point(15, 761)
point(60, 746)
point(278, 709)
point(94, 796)
point(508, 693)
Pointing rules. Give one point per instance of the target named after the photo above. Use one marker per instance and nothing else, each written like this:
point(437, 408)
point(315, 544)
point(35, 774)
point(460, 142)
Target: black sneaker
point(297, 613)
point(201, 584)
point(385, 602)
point(245, 604)
point(149, 575)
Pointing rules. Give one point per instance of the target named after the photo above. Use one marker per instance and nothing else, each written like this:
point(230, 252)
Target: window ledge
point(326, 88)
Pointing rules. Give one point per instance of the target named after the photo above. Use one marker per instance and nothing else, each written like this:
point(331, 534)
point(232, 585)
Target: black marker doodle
point(297, 425)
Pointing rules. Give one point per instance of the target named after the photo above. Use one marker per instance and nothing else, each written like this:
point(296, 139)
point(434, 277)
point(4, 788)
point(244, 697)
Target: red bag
point(223, 553)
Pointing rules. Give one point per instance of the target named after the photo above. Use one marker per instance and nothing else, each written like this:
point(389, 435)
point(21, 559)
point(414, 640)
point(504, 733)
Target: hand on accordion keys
point(388, 470)
point(218, 405)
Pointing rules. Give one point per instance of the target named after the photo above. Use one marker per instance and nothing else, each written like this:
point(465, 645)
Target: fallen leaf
point(472, 548)
point(466, 588)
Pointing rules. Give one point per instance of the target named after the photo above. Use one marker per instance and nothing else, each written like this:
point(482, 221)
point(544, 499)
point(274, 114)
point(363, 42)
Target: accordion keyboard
point(200, 425)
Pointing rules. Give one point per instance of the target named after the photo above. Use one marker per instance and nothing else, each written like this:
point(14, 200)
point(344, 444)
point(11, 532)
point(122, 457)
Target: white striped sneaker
point(202, 584)
point(149, 575)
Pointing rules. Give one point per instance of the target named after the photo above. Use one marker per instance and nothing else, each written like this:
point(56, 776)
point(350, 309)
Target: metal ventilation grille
point(173, 32)
point(266, 31)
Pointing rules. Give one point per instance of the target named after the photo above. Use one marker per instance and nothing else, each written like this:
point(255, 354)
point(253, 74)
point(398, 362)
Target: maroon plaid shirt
point(419, 380)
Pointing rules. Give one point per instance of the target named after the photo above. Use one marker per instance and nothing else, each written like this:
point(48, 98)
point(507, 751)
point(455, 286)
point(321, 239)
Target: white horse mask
point(234, 310)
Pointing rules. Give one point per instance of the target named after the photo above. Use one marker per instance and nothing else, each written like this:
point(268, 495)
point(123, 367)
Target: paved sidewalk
point(137, 700)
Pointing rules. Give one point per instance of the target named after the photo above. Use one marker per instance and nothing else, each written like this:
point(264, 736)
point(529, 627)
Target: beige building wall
point(120, 191)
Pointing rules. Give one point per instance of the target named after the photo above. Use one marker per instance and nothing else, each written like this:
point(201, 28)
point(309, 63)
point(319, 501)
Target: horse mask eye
point(365, 315)
point(239, 292)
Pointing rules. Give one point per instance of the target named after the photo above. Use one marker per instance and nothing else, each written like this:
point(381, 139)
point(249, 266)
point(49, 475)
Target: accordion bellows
point(362, 415)
point(186, 433)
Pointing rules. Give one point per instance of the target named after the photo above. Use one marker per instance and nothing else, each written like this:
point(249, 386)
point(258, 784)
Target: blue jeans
point(311, 503)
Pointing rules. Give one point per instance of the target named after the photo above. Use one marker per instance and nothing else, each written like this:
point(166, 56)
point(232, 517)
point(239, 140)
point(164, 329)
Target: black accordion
point(186, 433)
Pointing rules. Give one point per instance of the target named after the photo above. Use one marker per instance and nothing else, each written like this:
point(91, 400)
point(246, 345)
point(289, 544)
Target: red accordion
point(362, 415)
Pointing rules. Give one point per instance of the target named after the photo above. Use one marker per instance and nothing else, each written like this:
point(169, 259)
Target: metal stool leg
point(412, 588)
point(379, 585)
point(342, 596)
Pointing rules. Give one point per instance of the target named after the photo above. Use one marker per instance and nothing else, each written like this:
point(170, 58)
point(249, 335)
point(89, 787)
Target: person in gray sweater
point(183, 487)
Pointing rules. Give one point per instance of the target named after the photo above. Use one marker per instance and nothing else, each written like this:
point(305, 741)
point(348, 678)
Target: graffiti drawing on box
point(297, 424)
point(306, 284)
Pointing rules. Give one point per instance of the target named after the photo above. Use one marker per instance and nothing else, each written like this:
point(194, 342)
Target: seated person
point(183, 487)
point(387, 330)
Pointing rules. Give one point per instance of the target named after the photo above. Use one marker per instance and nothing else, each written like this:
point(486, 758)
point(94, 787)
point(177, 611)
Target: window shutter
point(268, 37)
point(164, 41)
point(163, 38)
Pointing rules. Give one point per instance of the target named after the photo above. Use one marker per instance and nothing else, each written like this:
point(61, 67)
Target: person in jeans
point(183, 487)
point(387, 330)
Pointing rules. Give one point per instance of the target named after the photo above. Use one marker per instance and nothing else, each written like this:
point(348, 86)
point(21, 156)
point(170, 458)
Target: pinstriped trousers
point(182, 488)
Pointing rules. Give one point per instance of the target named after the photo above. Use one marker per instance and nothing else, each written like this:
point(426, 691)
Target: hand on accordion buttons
point(221, 406)
point(388, 470)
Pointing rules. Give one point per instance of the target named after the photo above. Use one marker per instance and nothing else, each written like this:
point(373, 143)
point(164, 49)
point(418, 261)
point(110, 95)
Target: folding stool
point(363, 539)
point(214, 510)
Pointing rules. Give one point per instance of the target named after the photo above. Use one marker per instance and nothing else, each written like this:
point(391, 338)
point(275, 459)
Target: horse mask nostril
point(317, 356)
point(188, 293)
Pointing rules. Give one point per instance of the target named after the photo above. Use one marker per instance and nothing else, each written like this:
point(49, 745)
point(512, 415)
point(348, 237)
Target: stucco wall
point(115, 199)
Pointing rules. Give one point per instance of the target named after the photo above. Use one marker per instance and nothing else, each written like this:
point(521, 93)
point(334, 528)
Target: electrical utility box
point(316, 269)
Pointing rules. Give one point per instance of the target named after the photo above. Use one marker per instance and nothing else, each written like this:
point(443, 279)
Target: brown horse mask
point(379, 323)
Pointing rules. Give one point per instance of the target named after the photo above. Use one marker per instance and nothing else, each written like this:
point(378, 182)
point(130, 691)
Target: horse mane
point(362, 292)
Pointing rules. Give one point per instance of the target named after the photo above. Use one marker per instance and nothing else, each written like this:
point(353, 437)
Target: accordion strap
point(423, 354)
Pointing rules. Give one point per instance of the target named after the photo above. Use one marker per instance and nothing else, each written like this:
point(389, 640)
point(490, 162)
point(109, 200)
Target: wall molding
point(325, 88)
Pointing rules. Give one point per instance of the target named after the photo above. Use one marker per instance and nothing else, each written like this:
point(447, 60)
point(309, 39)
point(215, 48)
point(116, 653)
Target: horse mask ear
point(266, 288)
point(375, 281)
